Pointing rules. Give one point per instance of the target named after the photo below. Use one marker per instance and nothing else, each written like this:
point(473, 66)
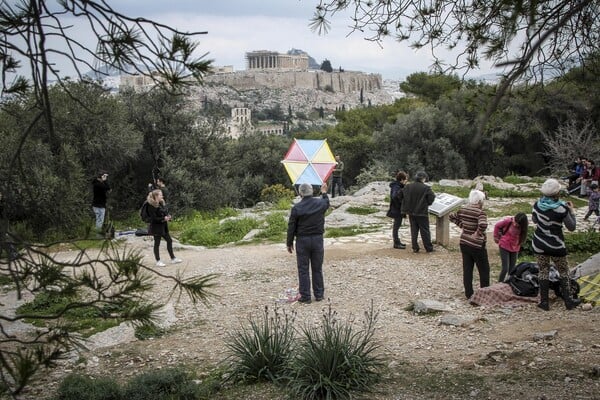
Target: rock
point(545, 335)
point(429, 306)
point(456, 320)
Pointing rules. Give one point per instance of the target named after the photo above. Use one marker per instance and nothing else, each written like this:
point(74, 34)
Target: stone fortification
point(339, 82)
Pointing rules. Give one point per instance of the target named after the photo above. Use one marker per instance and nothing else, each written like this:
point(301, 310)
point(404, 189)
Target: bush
point(274, 193)
point(149, 331)
point(276, 227)
point(214, 233)
point(587, 242)
point(166, 384)
point(362, 210)
point(79, 387)
point(335, 360)
point(262, 351)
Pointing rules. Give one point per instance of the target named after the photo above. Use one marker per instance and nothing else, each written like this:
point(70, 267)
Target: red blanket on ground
point(500, 294)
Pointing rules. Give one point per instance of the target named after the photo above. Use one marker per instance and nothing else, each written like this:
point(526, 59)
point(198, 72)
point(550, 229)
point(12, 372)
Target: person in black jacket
point(307, 225)
point(416, 198)
point(159, 226)
point(396, 206)
point(100, 189)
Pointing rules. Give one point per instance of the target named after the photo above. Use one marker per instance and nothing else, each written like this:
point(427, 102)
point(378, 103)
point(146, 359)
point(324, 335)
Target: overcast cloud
point(238, 26)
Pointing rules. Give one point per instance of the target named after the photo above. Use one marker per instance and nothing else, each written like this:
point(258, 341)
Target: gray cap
point(421, 176)
point(305, 190)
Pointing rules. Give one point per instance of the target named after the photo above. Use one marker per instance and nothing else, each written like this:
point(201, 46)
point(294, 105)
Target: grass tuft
point(261, 351)
point(336, 360)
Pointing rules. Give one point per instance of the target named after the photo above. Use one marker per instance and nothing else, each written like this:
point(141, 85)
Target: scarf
point(549, 203)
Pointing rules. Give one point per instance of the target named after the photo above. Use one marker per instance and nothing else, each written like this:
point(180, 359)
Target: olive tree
point(37, 37)
point(527, 40)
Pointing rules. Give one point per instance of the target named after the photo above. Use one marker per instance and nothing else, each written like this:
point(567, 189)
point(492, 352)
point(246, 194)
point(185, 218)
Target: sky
point(238, 26)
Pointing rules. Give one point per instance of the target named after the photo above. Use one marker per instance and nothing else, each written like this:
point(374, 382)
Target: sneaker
point(160, 264)
point(176, 260)
point(305, 301)
point(318, 299)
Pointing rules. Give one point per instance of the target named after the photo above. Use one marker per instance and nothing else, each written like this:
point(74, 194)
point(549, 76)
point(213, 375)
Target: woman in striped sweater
point(548, 243)
point(473, 221)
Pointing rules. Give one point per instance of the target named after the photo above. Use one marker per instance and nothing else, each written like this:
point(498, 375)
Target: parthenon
point(264, 59)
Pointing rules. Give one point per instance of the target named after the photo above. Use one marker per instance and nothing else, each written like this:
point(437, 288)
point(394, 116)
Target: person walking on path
point(159, 226)
point(307, 225)
point(510, 233)
point(396, 206)
point(336, 177)
point(593, 201)
point(416, 197)
point(473, 221)
point(100, 188)
point(548, 243)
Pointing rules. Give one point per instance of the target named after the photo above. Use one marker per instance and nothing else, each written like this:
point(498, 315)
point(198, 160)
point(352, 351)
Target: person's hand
point(324, 188)
point(569, 204)
point(290, 249)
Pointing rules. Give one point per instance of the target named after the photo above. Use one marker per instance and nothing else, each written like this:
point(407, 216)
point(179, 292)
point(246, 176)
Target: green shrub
point(335, 360)
point(276, 228)
point(583, 243)
point(214, 233)
point(274, 193)
point(348, 231)
point(283, 204)
point(148, 331)
point(79, 387)
point(86, 320)
point(362, 210)
point(516, 179)
point(261, 352)
point(165, 384)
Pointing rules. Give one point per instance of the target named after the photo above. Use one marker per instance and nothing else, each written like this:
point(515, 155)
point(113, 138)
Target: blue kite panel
point(309, 176)
point(310, 147)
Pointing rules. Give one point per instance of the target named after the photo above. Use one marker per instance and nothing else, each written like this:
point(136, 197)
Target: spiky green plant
point(261, 351)
point(335, 360)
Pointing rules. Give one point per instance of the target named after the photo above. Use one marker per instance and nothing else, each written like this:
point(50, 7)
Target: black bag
point(554, 278)
point(523, 279)
point(144, 213)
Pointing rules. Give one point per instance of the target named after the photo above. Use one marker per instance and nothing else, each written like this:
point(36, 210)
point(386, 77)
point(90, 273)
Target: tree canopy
point(527, 40)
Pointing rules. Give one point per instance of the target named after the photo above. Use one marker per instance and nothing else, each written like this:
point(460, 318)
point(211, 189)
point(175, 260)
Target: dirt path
point(359, 271)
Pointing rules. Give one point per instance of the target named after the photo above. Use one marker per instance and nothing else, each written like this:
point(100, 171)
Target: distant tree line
point(137, 136)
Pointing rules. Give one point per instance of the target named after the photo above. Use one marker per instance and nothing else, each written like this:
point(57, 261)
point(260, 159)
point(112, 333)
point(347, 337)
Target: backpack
point(144, 213)
point(523, 279)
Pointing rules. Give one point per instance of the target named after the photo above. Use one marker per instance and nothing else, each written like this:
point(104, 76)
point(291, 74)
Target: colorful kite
point(309, 161)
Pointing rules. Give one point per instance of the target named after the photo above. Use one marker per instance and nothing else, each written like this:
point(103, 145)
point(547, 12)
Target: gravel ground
point(491, 354)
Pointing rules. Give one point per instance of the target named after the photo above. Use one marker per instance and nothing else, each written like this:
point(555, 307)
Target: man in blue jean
point(100, 189)
point(307, 225)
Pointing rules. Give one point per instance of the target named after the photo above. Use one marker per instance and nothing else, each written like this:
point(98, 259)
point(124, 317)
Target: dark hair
point(421, 176)
point(523, 222)
point(401, 176)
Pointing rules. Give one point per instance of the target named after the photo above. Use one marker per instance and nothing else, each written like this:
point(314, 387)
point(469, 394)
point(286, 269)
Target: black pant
point(310, 253)
point(419, 224)
point(472, 256)
point(395, 228)
point(169, 241)
point(336, 181)
point(589, 213)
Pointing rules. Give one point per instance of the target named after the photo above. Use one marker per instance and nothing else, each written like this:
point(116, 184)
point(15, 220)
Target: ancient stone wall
point(340, 82)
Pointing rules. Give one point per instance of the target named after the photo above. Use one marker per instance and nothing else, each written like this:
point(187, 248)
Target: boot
point(544, 286)
point(565, 290)
point(399, 245)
